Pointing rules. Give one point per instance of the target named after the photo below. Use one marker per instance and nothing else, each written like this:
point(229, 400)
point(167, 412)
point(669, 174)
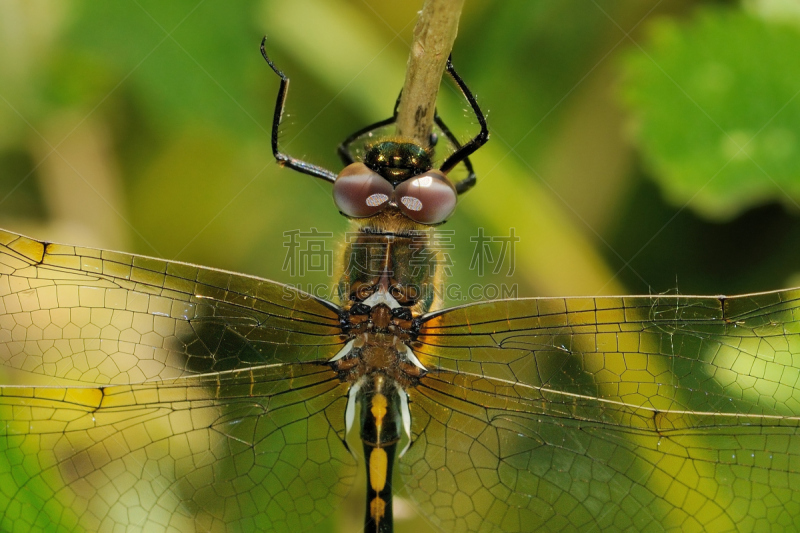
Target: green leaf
point(717, 107)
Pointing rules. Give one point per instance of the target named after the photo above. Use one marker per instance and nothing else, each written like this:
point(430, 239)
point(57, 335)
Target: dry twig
point(434, 34)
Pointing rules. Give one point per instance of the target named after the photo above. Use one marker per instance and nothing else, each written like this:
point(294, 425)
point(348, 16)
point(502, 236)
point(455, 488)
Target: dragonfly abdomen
point(381, 426)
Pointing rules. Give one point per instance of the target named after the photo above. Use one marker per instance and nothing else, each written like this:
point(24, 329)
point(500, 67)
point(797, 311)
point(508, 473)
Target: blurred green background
point(637, 146)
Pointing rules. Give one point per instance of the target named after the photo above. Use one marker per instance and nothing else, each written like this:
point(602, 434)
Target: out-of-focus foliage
point(144, 126)
point(718, 118)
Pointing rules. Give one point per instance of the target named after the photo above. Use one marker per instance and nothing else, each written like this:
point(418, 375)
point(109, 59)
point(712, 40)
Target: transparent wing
point(610, 414)
point(250, 450)
point(64, 310)
point(163, 396)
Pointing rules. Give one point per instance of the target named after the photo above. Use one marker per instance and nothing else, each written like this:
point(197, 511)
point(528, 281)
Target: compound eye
point(360, 192)
point(428, 198)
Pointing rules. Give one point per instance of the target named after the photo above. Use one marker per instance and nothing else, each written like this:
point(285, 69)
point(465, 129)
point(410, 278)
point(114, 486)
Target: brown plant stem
point(434, 35)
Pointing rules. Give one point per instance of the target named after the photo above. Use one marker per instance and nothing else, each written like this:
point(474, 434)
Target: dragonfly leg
point(474, 143)
point(282, 158)
point(344, 148)
point(467, 183)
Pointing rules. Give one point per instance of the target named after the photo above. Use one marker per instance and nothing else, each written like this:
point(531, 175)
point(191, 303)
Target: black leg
point(344, 148)
point(468, 182)
point(284, 159)
point(477, 141)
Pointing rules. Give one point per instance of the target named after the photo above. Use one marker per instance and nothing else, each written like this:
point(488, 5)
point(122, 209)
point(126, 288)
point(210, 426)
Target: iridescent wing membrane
point(182, 398)
point(163, 396)
point(610, 414)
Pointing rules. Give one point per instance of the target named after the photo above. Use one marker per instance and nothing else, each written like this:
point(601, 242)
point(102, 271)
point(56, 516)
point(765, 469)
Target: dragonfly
point(146, 394)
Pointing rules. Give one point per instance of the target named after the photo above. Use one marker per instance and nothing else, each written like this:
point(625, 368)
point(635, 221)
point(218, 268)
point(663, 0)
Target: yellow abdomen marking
point(378, 463)
point(377, 508)
point(379, 405)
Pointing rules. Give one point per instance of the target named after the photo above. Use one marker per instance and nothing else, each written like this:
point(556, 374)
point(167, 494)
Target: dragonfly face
point(175, 397)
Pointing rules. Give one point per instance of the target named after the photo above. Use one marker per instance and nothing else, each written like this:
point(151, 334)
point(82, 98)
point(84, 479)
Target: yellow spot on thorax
point(378, 464)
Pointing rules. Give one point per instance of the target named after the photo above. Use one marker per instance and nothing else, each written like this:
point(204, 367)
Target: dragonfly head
point(398, 160)
point(395, 175)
